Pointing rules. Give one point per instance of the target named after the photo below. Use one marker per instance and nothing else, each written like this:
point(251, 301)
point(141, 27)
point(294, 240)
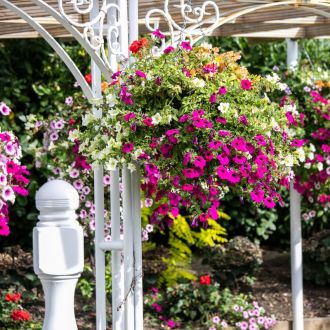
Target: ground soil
point(271, 289)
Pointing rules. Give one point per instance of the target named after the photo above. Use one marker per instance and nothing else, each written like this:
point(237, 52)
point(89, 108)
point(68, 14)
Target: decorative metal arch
point(194, 18)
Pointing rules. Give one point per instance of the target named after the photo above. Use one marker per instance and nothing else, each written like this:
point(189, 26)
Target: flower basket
point(200, 126)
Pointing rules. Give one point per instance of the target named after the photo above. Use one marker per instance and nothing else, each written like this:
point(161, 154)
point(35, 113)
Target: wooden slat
point(278, 22)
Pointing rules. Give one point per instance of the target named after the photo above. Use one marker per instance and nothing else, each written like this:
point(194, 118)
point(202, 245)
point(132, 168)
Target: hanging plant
point(13, 178)
point(312, 177)
point(200, 126)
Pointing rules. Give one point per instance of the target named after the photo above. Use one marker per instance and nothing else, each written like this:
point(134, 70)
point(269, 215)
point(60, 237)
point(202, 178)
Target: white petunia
point(223, 107)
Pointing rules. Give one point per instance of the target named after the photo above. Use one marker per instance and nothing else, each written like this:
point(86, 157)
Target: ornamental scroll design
point(193, 18)
point(105, 25)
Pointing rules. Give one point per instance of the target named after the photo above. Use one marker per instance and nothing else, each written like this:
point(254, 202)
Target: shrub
point(317, 258)
point(238, 260)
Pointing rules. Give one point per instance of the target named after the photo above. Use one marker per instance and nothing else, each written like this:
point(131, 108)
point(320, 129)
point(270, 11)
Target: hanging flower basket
point(199, 125)
point(12, 174)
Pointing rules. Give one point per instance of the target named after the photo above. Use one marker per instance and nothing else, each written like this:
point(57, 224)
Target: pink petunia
point(257, 195)
point(158, 34)
point(169, 49)
point(269, 202)
point(186, 45)
point(141, 74)
point(246, 84)
point(222, 90)
point(127, 147)
point(213, 98)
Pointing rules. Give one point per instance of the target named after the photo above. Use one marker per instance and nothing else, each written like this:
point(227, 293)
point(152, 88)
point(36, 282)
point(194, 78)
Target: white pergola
point(105, 28)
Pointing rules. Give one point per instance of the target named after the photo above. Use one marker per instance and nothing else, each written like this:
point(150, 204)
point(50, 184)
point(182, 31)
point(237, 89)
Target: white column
point(138, 271)
point(117, 264)
point(295, 226)
point(58, 252)
point(99, 207)
point(128, 251)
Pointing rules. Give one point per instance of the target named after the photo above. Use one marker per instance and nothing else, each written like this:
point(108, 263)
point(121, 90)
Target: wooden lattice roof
point(299, 19)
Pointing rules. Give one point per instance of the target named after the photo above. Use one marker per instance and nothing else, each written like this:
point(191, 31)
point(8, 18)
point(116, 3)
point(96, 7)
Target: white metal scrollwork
point(93, 31)
point(193, 19)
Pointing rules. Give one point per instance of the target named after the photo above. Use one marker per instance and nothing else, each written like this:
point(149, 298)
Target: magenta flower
point(173, 131)
point(4, 228)
point(171, 324)
point(190, 173)
point(158, 34)
point(297, 143)
point(186, 45)
point(210, 68)
point(239, 144)
point(213, 213)
point(213, 98)
point(125, 96)
point(163, 209)
point(269, 202)
point(186, 72)
point(127, 148)
point(222, 90)
point(290, 118)
point(129, 116)
point(199, 162)
point(148, 122)
point(169, 49)
point(260, 140)
point(158, 81)
point(257, 195)
point(221, 120)
point(222, 172)
point(187, 187)
point(246, 84)
point(223, 159)
point(141, 74)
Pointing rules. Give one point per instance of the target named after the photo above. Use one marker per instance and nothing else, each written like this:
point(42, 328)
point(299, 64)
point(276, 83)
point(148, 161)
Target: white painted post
point(295, 226)
point(117, 264)
point(58, 252)
point(138, 271)
point(128, 251)
point(101, 322)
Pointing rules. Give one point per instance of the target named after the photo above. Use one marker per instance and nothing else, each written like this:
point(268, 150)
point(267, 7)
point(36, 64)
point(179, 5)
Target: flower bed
point(13, 180)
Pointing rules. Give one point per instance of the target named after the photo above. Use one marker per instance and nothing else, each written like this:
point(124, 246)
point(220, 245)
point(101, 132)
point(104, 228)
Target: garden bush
point(316, 254)
point(238, 260)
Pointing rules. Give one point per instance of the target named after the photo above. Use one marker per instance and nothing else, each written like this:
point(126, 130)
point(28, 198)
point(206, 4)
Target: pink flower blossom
point(269, 202)
point(127, 147)
point(169, 49)
point(213, 98)
point(222, 90)
point(158, 34)
point(186, 45)
point(257, 195)
point(141, 74)
point(246, 84)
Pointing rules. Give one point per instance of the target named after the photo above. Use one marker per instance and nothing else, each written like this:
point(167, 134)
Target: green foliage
point(238, 260)
point(33, 80)
point(13, 315)
point(86, 283)
point(181, 238)
point(317, 258)
point(192, 305)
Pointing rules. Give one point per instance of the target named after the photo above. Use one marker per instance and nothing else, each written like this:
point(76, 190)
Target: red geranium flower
point(136, 45)
point(20, 315)
point(205, 280)
point(88, 78)
point(14, 297)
